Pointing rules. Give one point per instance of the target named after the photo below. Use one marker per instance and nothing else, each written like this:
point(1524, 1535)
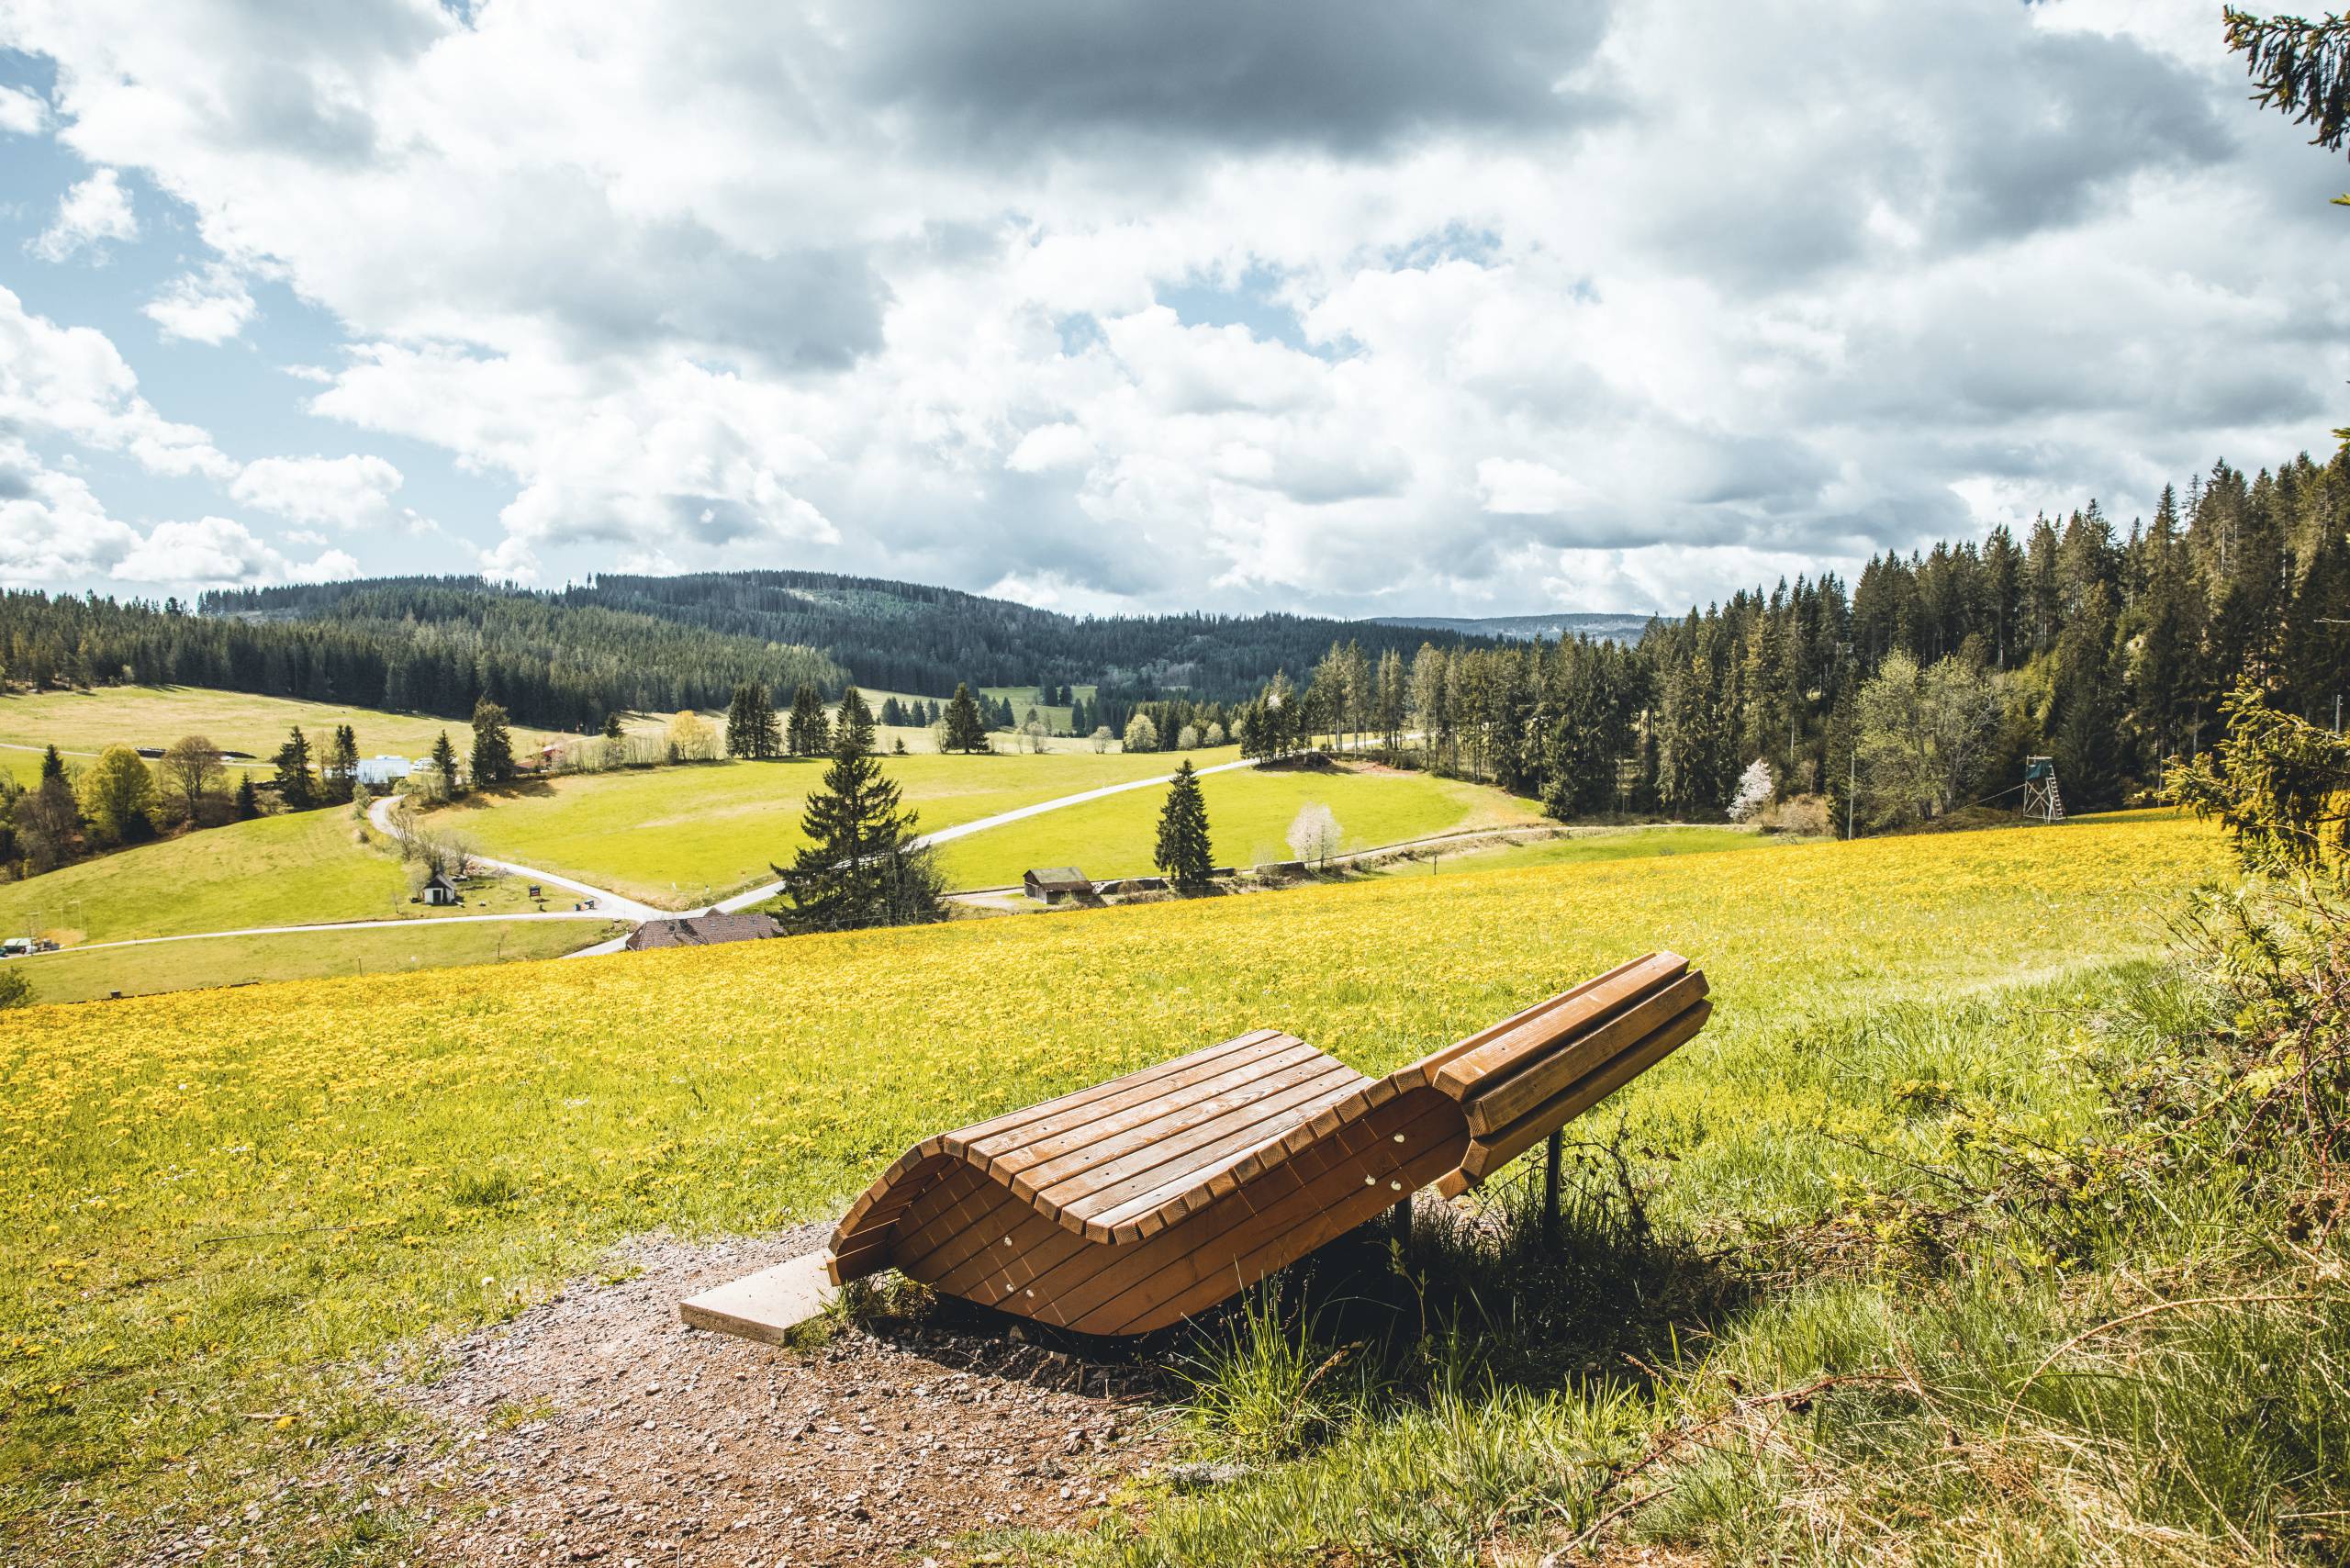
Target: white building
point(383, 769)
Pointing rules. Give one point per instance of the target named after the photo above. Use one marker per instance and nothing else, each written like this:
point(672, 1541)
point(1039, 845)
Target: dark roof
point(1058, 877)
point(703, 931)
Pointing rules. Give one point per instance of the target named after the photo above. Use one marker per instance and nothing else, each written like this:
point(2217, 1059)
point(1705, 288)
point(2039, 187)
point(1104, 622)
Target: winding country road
point(610, 905)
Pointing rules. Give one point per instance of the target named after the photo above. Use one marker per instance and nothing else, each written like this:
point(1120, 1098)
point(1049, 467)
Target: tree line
point(404, 645)
point(896, 636)
point(1920, 688)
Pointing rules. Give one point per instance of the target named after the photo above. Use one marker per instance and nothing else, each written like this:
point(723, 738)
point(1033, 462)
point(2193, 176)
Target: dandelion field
point(222, 1212)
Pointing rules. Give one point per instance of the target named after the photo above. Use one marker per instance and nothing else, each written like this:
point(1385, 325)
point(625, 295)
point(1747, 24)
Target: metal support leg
point(1553, 1152)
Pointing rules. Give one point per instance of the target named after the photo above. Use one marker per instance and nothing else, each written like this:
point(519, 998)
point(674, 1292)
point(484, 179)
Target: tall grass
point(2075, 1316)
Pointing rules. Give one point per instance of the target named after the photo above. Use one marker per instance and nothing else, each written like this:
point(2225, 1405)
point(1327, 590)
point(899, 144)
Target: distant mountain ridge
point(1607, 627)
point(887, 635)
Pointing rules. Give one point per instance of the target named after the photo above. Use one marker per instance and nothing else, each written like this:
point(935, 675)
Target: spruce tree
point(1184, 853)
point(613, 731)
point(248, 801)
point(739, 724)
point(767, 730)
point(966, 728)
point(860, 867)
point(52, 766)
point(493, 758)
point(295, 786)
point(809, 733)
point(340, 773)
point(443, 764)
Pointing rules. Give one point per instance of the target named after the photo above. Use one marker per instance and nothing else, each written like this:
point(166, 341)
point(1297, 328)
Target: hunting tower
point(2042, 800)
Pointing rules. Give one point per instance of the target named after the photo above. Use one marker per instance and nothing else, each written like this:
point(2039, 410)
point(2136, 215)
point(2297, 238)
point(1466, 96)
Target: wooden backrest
point(1524, 1077)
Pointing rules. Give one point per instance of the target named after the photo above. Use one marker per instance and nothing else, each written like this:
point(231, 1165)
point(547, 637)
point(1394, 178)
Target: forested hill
point(895, 636)
point(411, 647)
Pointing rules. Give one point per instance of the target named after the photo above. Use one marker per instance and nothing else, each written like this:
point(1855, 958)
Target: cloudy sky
point(1365, 306)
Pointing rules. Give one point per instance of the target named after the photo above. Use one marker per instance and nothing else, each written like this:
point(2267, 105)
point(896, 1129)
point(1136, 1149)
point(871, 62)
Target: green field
point(1249, 815)
point(134, 1135)
point(300, 869)
point(210, 962)
point(680, 837)
point(89, 722)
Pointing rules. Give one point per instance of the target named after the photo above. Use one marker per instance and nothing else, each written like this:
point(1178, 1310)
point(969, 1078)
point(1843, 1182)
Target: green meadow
point(134, 1135)
point(680, 837)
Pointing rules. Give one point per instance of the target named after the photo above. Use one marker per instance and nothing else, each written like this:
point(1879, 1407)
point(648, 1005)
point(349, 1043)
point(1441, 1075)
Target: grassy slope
point(158, 715)
point(216, 961)
point(300, 869)
point(720, 827)
point(1249, 813)
point(385, 1104)
point(1585, 845)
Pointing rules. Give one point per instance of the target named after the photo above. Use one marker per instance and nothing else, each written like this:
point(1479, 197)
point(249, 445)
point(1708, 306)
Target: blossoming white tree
point(1753, 791)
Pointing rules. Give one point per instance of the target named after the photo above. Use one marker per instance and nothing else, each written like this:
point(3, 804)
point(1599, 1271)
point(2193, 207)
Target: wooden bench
point(1127, 1207)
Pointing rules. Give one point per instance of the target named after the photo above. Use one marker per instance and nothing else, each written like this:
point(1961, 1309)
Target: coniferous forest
point(1921, 687)
point(409, 646)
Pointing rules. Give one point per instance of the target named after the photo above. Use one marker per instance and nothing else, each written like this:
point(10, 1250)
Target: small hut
point(1053, 883)
point(439, 889)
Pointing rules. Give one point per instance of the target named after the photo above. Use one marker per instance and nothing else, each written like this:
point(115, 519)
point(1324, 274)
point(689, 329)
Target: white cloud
point(72, 382)
point(206, 306)
point(218, 552)
point(1091, 313)
point(349, 492)
point(21, 113)
point(52, 528)
point(90, 213)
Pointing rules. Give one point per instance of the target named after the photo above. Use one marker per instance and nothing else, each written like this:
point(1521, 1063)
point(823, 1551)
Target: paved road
point(616, 906)
point(766, 890)
point(611, 905)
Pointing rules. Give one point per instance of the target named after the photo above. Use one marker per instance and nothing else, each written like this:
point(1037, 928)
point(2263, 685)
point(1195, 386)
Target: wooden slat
point(1422, 1071)
point(1107, 1115)
point(1505, 1103)
point(1275, 1229)
point(1045, 1110)
point(1058, 1170)
point(1355, 1163)
point(1488, 1155)
point(1474, 1071)
point(1187, 1153)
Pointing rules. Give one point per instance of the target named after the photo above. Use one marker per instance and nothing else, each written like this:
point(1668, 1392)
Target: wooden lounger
point(1126, 1206)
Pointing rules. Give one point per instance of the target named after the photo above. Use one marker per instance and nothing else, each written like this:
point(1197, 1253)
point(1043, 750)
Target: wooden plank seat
point(1126, 1206)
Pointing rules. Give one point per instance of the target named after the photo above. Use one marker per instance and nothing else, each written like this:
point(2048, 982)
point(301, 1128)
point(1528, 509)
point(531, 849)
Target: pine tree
point(613, 731)
point(766, 729)
point(296, 786)
point(966, 729)
point(861, 866)
point(52, 766)
point(248, 801)
point(1183, 852)
point(493, 758)
point(809, 732)
point(338, 774)
point(739, 724)
point(443, 764)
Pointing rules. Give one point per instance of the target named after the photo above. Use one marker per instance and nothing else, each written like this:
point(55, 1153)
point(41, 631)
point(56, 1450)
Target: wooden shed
point(1055, 883)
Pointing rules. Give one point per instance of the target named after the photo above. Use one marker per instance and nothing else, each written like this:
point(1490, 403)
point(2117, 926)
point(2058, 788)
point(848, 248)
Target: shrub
point(1807, 815)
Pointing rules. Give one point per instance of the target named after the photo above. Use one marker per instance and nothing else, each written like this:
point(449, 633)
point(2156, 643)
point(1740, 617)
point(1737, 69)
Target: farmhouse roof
point(1060, 877)
point(703, 931)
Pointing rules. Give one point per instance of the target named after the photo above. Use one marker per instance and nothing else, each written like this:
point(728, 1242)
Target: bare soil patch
point(596, 1428)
